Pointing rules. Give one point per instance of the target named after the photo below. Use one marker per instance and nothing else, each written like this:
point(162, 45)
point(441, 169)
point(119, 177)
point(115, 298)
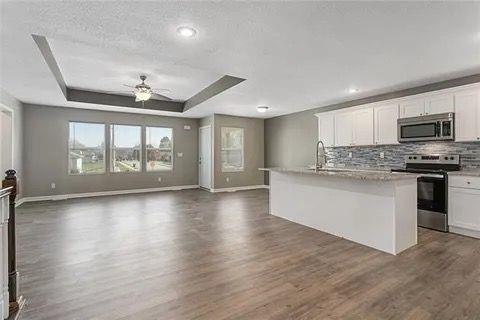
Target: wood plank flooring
point(196, 255)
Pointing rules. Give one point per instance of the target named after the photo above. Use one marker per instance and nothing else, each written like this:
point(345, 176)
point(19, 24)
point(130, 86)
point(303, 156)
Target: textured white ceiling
point(295, 55)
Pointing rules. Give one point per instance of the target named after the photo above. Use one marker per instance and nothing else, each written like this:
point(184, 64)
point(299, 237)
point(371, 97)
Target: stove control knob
point(446, 158)
point(415, 158)
point(409, 157)
point(451, 158)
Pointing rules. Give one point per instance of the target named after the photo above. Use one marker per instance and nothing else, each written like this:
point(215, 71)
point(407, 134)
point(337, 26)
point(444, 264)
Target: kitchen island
point(372, 207)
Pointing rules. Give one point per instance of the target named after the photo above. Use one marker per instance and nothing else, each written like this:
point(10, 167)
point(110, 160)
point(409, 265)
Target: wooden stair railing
point(15, 300)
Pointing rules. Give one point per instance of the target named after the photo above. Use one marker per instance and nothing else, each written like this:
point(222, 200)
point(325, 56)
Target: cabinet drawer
point(464, 182)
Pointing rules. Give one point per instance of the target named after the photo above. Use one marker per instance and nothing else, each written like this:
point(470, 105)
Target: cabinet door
point(439, 103)
point(385, 119)
point(412, 108)
point(363, 127)
point(463, 208)
point(326, 129)
point(467, 115)
point(344, 129)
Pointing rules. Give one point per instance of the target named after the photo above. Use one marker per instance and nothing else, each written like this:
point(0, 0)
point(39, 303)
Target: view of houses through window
point(232, 149)
point(86, 148)
point(159, 148)
point(126, 148)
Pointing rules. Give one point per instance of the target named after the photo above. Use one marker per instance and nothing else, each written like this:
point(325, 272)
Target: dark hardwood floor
point(195, 255)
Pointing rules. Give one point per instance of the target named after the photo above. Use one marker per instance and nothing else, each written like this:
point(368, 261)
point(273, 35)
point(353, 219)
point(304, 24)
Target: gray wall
point(290, 140)
point(45, 150)
point(253, 152)
point(9, 101)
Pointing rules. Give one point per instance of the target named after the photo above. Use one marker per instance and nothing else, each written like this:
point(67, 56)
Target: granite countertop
point(351, 173)
point(466, 172)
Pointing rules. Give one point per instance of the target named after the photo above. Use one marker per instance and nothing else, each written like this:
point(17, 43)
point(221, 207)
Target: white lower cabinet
point(463, 205)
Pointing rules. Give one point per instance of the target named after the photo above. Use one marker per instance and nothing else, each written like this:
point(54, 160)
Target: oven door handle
point(431, 175)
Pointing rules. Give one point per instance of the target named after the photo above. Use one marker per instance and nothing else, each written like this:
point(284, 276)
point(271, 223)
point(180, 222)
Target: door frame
point(212, 147)
point(4, 108)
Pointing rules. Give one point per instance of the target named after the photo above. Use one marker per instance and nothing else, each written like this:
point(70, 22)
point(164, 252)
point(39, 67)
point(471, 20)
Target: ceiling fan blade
point(126, 85)
point(157, 96)
point(119, 92)
point(162, 90)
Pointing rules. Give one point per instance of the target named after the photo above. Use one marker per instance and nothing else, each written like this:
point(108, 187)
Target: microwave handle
point(438, 128)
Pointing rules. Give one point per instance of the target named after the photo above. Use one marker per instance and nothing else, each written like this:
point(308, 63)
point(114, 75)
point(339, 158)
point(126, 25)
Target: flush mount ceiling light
point(262, 109)
point(186, 32)
point(353, 90)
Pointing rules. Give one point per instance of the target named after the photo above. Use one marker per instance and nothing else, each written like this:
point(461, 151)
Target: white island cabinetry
point(376, 209)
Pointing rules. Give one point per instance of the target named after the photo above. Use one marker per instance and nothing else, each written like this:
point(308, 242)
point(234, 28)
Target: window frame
point(111, 148)
point(145, 151)
point(222, 149)
point(104, 149)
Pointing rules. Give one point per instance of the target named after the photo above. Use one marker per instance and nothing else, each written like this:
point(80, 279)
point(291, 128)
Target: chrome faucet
point(318, 164)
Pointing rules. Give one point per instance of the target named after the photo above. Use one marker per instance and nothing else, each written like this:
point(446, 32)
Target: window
point(126, 148)
point(86, 148)
point(232, 149)
point(159, 148)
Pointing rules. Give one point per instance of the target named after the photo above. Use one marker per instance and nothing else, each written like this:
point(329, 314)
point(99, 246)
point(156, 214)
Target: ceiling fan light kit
point(142, 91)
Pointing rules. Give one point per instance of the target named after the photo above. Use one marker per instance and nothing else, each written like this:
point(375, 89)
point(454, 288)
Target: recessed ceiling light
point(186, 32)
point(353, 90)
point(262, 109)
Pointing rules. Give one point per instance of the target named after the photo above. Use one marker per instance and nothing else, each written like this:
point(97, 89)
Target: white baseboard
point(234, 189)
point(103, 193)
point(465, 232)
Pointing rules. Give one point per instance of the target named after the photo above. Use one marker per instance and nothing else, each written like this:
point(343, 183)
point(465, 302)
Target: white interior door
point(205, 157)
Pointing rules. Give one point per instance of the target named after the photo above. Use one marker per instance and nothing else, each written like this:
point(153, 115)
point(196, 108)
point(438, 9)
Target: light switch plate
point(350, 155)
point(179, 154)
point(187, 127)
point(53, 185)
point(382, 155)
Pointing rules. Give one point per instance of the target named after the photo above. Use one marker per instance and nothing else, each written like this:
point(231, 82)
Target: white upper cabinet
point(467, 115)
point(439, 103)
point(363, 127)
point(344, 129)
point(326, 129)
point(385, 119)
point(412, 108)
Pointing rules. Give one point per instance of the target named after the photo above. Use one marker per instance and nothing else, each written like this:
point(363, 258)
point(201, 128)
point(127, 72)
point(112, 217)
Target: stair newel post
point(13, 276)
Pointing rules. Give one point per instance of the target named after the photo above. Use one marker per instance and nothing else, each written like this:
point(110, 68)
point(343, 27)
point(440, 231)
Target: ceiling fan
point(144, 92)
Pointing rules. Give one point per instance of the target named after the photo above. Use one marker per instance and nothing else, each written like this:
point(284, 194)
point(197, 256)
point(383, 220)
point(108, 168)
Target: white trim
point(208, 126)
point(104, 193)
point(234, 189)
point(12, 128)
point(465, 232)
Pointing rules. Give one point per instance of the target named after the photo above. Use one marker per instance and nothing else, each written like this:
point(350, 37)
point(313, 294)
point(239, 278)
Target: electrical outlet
point(350, 154)
point(159, 179)
point(382, 155)
point(227, 179)
point(52, 185)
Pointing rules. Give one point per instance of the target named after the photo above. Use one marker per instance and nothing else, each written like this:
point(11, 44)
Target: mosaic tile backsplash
point(369, 156)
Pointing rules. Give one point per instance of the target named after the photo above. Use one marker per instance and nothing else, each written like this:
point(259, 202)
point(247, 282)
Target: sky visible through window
point(126, 136)
point(155, 135)
point(88, 134)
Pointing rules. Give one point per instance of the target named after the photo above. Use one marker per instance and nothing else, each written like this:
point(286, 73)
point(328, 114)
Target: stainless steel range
point(432, 186)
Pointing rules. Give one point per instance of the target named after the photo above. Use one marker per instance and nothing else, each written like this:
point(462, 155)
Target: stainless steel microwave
point(433, 127)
